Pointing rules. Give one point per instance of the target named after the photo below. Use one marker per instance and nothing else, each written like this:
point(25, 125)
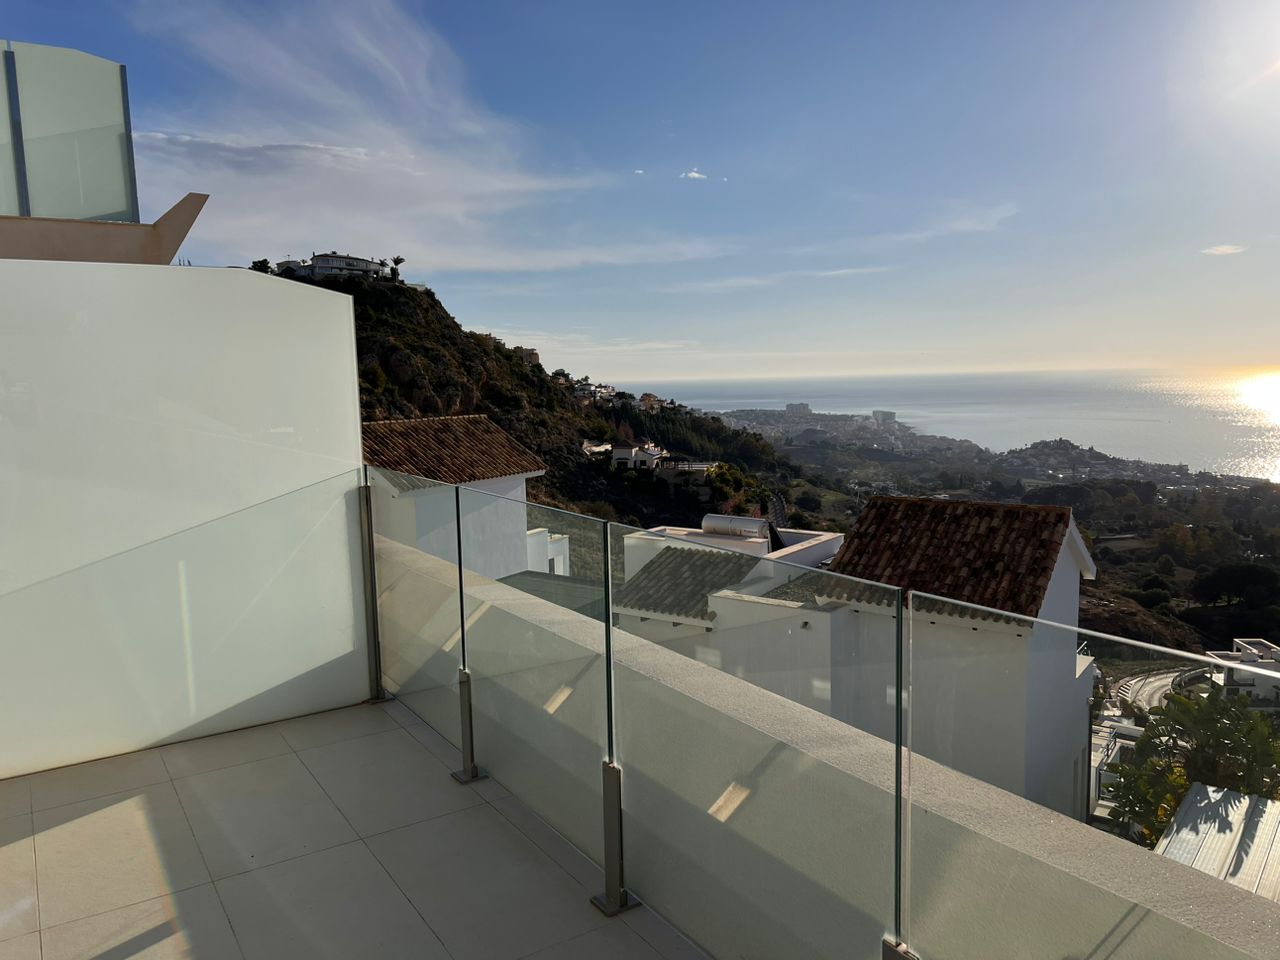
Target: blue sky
point(826, 188)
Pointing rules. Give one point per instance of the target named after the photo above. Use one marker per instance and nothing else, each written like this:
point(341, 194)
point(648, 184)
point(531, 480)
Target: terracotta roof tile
point(678, 581)
point(450, 449)
point(997, 555)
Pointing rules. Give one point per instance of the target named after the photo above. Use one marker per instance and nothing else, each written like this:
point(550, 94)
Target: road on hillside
point(1148, 690)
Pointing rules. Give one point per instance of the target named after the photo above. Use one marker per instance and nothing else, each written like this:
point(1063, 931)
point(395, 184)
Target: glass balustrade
point(1047, 762)
point(534, 592)
point(756, 708)
point(812, 763)
point(415, 531)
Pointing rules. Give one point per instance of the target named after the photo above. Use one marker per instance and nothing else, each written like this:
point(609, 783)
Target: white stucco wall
point(494, 528)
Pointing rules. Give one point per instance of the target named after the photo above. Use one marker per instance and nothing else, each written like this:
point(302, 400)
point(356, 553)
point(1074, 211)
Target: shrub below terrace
point(1150, 598)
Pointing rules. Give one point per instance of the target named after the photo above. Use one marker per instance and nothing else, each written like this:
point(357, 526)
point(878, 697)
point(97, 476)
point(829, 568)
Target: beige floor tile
point(386, 781)
point(15, 797)
point(615, 941)
point(98, 778)
point(21, 948)
point(458, 869)
point(666, 939)
point(260, 813)
point(18, 911)
point(318, 729)
point(189, 925)
point(109, 852)
point(572, 860)
point(490, 790)
point(440, 748)
point(400, 713)
point(335, 904)
point(224, 750)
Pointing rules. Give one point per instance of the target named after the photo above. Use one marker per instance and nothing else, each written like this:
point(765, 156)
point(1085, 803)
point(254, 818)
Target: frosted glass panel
point(138, 401)
point(249, 618)
point(74, 133)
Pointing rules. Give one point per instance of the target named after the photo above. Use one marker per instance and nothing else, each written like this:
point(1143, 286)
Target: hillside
point(415, 360)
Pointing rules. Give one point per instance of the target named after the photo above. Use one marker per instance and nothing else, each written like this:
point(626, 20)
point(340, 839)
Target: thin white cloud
point(967, 220)
point(693, 175)
point(584, 354)
point(1224, 250)
point(352, 126)
point(749, 281)
point(638, 172)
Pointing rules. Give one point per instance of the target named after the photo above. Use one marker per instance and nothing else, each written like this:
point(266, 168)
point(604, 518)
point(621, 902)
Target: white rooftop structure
point(752, 535)
point(1227, 835)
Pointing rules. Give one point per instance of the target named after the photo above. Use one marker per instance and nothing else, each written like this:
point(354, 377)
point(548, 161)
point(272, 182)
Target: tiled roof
point(996, 555)
point(581, 594)
point(451, 449)
point(808, 587)
point(678, 580)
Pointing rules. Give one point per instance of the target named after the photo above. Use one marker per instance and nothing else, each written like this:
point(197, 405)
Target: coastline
point(1159, 418)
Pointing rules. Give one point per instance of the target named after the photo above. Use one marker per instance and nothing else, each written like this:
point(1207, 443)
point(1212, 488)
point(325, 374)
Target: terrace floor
point(335, 835)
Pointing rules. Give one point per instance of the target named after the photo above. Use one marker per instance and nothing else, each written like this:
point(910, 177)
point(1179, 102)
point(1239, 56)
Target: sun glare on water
point(1261, 393)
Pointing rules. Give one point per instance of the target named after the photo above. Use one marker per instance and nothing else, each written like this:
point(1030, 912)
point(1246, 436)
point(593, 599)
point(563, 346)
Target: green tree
point(1215, 740)
point(1166, 566)
point(395, 267)
point(261, 266)
point(1176, 541)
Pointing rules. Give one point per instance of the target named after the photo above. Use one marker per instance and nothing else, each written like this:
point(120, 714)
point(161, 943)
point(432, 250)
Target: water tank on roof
point(727, 526)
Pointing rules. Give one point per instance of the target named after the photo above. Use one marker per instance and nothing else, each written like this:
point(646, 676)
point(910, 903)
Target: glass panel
point(535, 650)
point(73, 131)
point(1029, 742)
point(249, 618)
point(415, 531)
point(8, 177)
point(755, 713)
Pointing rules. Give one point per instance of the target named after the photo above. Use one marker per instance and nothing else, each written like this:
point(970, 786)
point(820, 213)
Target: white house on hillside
point(1264, 690)
point(839, 652)
point(643, 457)
point(474, 452)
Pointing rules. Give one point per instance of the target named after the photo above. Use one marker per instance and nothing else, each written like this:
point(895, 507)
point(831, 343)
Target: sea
point(1222, 422)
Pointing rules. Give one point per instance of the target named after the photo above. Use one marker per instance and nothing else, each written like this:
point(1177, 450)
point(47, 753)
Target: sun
point(1262, 393)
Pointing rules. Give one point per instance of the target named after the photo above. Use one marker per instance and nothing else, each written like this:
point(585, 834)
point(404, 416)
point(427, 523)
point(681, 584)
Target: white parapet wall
point(179, 463)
